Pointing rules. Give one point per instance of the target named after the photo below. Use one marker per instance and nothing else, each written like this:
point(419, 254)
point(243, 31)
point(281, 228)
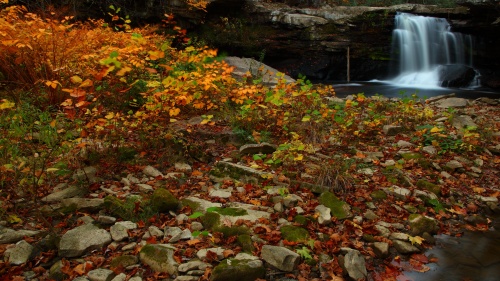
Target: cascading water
point(429, 54)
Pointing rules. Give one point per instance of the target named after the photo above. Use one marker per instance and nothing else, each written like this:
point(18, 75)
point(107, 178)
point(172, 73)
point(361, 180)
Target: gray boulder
point(101, 274)
point(82, 239)
point(8, 235)
point(354, 263)
point(420, 224)
point(280, 257)
point(72, 191)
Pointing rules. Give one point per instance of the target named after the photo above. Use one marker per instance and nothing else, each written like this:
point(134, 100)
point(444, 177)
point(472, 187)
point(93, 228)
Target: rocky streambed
point(345, 211)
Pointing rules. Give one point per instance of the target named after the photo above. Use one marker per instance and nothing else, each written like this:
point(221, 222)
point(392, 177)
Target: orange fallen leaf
point(193, 242)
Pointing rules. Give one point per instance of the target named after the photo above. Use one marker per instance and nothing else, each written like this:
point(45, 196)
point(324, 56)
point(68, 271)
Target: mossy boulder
point(118, 208)
point(164, 201)
point(378, 195)
point(160, 257)
point(419, 224)
point(434, 188)
point(241, 270)
point(213, 221)
point(339, 208)
point(294, 233)
point(234, 212)
point(246, 243)
point(123, 261)
point(300, 219)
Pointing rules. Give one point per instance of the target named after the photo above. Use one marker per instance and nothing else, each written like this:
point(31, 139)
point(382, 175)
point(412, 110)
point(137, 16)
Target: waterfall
point(429, 54)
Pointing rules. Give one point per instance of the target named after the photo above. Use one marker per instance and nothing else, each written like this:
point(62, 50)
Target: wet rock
point(82, 239)
point(280, 257)
point(238, 269)
point(354, 264)
point(69, 192)
point(381, 249)
point(338, 208)
point(420, 224)
point(19, 254)
point(382, 230)
point(264, 148)
point(151, 172)
point(101, 274)
point(323, 212)
point(404, 247)
point(160, 257)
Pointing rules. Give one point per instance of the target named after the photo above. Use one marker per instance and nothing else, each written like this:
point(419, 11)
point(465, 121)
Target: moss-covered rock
point(246, 243)
point(123, 261)
point(235, 212)
point(434, 188)
point(163, 201)
point(294, 233)
point(378, 195)
point(232, 230)
point(300, 219)
point(118, 208)
point(210, 220)
point(241, 270)
point(420, 224)
point(160, 257)
point(339, 209)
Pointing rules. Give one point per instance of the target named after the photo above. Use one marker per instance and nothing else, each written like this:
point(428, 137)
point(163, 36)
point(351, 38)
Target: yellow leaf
point(436, 130)
point(299, 157)
point(53, 123)
point(110, 115)
point(14, 219)
point(416, 239)
point(123, 71)
point(52, 170)
point(306, 118)
point(86, 83)
point(4, 104)
point(67, 102)
point(76, 79)
point(174, 111)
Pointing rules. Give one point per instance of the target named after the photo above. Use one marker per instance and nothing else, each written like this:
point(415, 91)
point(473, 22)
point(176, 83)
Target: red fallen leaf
point(433, 260)
point(289, 243)
point(140, 224)
point(421, 258)
point(151, 240)
point(261, 229)
point(211, 256)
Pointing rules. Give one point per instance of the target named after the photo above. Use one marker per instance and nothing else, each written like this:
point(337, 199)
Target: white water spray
point(423, 46)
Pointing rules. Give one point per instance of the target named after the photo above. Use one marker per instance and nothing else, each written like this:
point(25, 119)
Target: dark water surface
point(473, 257)
point(391, 90)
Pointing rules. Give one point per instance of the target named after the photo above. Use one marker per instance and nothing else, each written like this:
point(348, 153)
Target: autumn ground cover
point(78, 94)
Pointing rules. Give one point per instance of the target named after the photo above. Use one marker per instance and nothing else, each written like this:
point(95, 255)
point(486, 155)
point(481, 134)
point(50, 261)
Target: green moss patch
point(241, 270)
point(294, 233)
point(246, 243)
point(163, 201)
point(378, 195)
point(234, 212)
point(339, 209)
point(434, 188)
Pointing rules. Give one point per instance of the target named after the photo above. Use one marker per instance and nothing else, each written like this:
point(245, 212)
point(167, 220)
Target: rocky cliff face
point(314, 41)
point(311, 37)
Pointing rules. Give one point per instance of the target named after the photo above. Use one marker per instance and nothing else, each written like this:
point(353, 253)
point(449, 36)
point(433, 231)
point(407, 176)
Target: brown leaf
point(228, 253)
